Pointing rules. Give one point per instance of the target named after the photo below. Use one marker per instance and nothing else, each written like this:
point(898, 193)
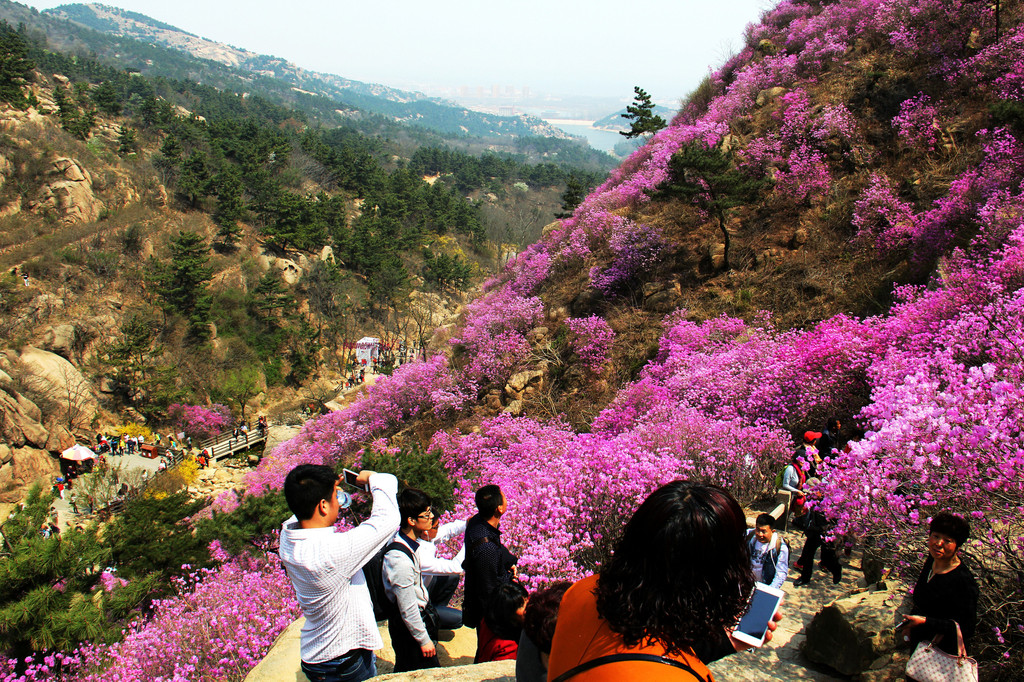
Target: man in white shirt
point(769, 552)
point(441, 576)
point(413, 624)
point(325, 567)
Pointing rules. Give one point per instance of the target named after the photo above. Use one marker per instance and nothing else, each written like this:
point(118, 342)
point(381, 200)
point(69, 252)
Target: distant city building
point(507, 110)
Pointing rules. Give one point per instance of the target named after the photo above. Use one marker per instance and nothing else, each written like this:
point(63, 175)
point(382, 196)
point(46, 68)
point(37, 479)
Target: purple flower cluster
point(591, 341)
point(218, 626)
point(635, 249)
point(882, 217)
point(917, 124)
point(198, 421)
point(494, 336)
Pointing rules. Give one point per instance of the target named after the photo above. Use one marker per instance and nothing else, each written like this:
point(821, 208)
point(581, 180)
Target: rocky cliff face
point(43, 398)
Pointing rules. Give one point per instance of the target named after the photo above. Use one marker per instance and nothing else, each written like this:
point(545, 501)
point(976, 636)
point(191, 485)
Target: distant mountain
point(616, 122)
point(412, 108)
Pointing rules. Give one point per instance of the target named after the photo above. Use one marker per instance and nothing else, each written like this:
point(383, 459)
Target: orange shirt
point(582, 635)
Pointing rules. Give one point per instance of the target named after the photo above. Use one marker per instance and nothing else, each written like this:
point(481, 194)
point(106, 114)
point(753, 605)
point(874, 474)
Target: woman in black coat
point(946, 593)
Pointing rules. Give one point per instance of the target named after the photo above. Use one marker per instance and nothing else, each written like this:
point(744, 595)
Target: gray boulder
point(60, 340)
point(853, 634)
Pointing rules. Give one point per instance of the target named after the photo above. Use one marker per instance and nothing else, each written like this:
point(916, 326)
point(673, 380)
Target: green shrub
point(416, 469)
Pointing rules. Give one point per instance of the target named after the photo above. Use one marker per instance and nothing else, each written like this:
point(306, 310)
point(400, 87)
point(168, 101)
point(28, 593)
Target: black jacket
point(944, 599)
point(488, 564)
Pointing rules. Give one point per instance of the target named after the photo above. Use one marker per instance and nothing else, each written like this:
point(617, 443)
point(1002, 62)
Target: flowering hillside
point(876, 275)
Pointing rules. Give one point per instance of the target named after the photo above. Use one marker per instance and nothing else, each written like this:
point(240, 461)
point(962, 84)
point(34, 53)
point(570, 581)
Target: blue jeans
point(355, 666)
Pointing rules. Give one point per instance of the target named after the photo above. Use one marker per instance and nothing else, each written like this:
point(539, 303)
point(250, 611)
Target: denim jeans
point(355, 666)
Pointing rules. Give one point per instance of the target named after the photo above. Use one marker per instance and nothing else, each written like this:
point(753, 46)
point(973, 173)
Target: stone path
point(780, 659)
point(65, 514)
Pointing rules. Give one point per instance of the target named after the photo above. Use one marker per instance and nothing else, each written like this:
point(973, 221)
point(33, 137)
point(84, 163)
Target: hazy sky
point(597, 47)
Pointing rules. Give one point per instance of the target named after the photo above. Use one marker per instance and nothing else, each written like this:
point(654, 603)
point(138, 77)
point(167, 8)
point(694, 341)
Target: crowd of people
point(665, 604)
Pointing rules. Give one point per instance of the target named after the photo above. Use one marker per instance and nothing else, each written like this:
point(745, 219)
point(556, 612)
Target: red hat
point(811, 436)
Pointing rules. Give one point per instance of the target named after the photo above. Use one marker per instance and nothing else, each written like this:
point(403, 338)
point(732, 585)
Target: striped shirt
point(325, 570)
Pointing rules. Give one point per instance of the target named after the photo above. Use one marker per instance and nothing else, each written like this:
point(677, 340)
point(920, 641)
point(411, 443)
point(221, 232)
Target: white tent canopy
point(78, 453)
point(367, 349)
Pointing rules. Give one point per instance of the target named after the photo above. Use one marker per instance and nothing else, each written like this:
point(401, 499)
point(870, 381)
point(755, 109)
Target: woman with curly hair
point(667, 601)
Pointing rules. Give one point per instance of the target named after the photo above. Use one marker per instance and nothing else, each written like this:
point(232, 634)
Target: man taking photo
point(325, 567)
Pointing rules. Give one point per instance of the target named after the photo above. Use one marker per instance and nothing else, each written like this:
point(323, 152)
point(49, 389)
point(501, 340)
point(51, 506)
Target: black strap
point(616, 658)
point(401, 546)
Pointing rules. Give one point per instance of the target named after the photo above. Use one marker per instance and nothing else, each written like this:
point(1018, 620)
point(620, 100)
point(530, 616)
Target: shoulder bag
point(929, 663)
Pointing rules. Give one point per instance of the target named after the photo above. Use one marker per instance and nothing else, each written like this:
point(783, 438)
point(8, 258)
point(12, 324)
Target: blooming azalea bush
point(591, 341)
point(917, 123)
point(200, 421)
point(217, 626)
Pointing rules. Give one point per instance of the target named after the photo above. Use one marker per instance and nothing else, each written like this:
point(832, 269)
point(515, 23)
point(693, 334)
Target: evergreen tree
point(640, 114)
point(230, 205)
point(50, 593)
point(147, 538)
point(127, 141)
point(182, 283)
point(132, 356)
point(270, 297)
point(107, 98)
point(388, 283)
point(194, 178)
point(705, 175)
point(575, 193)
point(444, 271)
point(15, 67)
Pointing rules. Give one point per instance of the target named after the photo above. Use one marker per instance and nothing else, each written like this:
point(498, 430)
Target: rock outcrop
point(854, 634)
point(26, 467)
point(71, 194)
point(58, 378)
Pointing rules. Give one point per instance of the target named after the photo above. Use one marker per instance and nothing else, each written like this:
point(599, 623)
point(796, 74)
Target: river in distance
point(605, 140)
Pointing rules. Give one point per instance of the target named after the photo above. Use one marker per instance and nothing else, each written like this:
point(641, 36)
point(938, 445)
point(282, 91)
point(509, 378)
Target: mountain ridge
point(116, 21)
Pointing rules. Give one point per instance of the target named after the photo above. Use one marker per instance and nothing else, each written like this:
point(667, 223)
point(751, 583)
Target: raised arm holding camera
point(325, 567)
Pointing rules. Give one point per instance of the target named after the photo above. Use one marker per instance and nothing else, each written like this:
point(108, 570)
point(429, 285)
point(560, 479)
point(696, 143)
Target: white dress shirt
point(431, 564)
point(325, 568)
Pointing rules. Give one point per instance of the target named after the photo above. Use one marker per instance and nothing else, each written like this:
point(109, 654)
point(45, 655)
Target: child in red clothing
point(502, 624)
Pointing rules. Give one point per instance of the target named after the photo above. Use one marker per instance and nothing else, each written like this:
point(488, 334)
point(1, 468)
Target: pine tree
point(15, 67)
point(575, 193)
point(705, 175)
point(182, 283)
point(107, 98)
point(132, 356)
point(50, 596)
point(230, 206)
point(194, 178)
point(643, 121)
point(127, 141)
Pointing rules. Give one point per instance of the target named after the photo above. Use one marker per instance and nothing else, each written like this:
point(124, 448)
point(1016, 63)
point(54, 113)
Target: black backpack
point(373, 573)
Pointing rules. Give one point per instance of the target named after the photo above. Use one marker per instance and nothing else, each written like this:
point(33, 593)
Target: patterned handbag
point(929, 663)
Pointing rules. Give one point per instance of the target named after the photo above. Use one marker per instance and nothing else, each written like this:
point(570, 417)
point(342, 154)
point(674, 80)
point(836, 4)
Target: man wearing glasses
point(413, 624)
point(325, 567)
